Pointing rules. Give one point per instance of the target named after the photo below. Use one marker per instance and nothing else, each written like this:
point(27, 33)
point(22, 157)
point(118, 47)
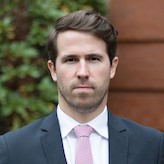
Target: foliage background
point(26, 89)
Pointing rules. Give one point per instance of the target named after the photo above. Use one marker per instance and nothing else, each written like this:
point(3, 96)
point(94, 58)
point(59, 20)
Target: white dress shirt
point(99, 138)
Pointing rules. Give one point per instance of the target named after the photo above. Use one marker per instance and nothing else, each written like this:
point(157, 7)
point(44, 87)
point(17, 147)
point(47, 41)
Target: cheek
point(101, 76)
point(64, 75)
point(103, 72)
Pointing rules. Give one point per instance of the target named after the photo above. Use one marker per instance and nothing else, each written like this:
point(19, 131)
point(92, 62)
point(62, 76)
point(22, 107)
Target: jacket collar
point(118, 140)
point(51, 140)
point(53, 147)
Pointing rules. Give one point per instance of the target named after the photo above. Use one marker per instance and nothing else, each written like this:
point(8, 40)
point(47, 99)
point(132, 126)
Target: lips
point(83, 86)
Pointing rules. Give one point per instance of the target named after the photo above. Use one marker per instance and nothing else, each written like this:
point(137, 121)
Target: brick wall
point(137, 91)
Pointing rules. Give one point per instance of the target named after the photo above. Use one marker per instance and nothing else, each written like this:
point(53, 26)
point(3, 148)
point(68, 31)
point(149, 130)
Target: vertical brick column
point(137, 91)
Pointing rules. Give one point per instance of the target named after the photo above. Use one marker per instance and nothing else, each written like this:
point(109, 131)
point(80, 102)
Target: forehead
point(77, 41)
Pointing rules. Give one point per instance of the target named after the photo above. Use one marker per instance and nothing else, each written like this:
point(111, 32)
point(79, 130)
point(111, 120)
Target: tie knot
point(83, 131)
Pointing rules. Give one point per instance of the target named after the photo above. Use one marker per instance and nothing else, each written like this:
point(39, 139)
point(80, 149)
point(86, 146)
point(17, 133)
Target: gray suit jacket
point(41, 143)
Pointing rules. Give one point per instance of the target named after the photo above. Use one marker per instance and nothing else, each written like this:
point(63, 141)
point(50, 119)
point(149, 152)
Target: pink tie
point(83, 149)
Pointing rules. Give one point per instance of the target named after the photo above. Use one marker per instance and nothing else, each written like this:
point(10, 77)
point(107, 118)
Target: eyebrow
point(67, 56)
point(88, 55)
point(95, 55)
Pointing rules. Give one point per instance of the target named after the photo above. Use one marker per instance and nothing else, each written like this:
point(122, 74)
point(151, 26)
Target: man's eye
point(71, 60)
point(94, 59)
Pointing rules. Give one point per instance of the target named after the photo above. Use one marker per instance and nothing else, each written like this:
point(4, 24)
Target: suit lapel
point(51, 140)
point(118, 141)
point(53, 148)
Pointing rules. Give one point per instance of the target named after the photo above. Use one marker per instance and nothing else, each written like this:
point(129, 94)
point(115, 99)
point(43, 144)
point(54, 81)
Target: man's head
point(87, 21)
point(79, 51)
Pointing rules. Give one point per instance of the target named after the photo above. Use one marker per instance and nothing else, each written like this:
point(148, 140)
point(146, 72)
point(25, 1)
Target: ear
point(52, 70)
point(113, 67)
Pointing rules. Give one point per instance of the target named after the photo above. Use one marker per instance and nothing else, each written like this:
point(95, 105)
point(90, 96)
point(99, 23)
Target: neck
point(82, 117)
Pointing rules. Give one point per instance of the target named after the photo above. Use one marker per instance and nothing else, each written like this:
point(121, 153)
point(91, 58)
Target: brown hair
point(87, 21)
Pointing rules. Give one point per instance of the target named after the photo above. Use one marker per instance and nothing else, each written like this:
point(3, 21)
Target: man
point(82, 60)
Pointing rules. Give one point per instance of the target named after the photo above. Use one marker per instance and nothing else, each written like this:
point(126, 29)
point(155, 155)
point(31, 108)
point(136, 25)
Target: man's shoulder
point(133, 127)
point(26, 130)
point(31, 130)
point(142, 139)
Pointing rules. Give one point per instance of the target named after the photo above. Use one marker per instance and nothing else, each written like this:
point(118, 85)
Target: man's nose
point(82, 71)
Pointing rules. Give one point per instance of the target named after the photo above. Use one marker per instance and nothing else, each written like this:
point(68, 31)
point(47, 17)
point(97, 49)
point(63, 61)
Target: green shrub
point(26, 89)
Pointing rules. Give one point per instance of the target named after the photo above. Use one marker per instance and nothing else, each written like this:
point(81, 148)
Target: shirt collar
point(99, 123)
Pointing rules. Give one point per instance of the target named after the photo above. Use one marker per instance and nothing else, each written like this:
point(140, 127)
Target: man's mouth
point(84, 88)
